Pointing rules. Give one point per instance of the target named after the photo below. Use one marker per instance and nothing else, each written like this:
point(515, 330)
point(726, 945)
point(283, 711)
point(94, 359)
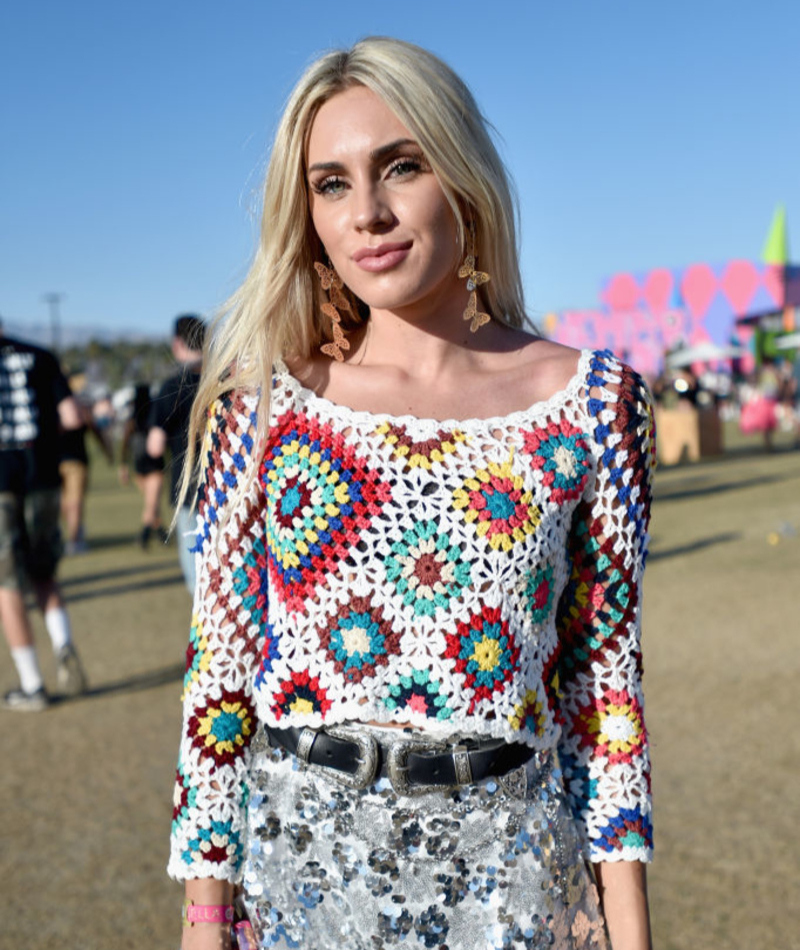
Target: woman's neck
point(426, 346)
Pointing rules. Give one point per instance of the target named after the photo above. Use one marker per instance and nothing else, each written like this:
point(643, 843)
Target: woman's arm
point(603, 748)
point(219, 721)
point(623, 896)
point(207, 936)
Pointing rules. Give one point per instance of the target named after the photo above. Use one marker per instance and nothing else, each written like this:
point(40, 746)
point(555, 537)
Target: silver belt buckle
point(367, 758)
point(397, 759)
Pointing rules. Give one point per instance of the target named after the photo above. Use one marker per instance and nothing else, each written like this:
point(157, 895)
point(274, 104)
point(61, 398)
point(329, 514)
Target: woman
point(148, 470)
point(412, 706)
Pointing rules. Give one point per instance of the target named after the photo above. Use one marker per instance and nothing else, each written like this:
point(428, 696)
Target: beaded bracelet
point(206, 913)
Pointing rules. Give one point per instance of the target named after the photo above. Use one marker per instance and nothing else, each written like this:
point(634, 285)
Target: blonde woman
point(413, 708)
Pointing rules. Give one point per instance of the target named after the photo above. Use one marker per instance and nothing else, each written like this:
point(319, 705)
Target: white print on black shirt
point(19, 413)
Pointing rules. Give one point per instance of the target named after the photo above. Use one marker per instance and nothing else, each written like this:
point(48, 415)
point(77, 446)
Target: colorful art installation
point(643, 315)
point(776, 247)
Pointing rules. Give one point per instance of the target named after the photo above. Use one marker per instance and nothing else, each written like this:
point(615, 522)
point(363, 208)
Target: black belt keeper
point(410, 762)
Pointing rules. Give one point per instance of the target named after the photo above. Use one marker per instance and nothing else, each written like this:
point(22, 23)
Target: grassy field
point(85, 788)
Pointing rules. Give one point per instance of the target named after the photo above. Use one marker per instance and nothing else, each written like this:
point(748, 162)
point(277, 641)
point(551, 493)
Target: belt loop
point(462, 765)
point(305, 742)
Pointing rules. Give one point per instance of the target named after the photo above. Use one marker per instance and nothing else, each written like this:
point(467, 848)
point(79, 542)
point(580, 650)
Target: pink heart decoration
point(698, 287)
point(657, 289)
point(622, 292)
point(739, 282)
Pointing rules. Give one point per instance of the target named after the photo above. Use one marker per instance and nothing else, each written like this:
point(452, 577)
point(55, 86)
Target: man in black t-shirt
point(169, 428)
point(35, 404)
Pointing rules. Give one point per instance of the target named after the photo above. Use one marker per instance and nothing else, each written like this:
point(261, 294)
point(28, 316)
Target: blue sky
point(135, 134)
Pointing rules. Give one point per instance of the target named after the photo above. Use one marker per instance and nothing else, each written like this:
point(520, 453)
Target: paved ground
point(85, 788)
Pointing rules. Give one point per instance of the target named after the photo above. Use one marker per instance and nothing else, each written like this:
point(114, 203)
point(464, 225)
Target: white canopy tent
point(703, 353)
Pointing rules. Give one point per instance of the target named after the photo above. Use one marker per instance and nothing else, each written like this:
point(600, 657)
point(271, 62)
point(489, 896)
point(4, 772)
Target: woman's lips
point(383, 257)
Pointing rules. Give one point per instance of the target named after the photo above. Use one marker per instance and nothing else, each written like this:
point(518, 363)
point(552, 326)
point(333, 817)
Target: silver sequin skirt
point(492, 865)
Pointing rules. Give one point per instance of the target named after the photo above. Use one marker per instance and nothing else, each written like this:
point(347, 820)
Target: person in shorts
point(148, 472)
point(73, 466)
point(35, 404)
point(168, 428)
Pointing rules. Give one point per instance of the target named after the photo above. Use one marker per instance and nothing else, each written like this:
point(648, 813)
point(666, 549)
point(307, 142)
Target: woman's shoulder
point(233, 403)
point(612, 398)
point(523, 370)
point(231, 428)
point(619, 408)
point(555, 365)
point(610, 380)
point(548, 367)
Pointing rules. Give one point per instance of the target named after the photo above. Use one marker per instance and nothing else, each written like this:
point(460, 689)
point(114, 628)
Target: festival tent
point(703, 353)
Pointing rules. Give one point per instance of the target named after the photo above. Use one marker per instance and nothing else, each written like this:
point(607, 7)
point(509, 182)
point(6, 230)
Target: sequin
point(490, 865)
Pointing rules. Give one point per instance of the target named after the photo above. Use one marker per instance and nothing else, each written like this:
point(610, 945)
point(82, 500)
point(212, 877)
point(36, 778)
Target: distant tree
point(121, 362)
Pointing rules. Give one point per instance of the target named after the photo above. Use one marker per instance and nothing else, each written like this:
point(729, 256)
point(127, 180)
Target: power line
point(53, 300)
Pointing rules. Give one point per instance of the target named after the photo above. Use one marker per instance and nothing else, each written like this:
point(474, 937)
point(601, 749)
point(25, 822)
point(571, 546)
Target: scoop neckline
point(336, 408)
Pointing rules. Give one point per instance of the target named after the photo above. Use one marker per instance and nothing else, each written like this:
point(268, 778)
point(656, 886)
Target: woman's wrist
point(210, 931)
point(208, 890)
point(195, 913)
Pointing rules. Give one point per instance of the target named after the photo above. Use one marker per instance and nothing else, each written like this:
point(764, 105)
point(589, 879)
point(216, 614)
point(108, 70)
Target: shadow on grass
point(758, 450)
point(656, 555)
point(144, 584)
point(119, 572)
point(120, 541)
point(678, 493)
point(134, 684)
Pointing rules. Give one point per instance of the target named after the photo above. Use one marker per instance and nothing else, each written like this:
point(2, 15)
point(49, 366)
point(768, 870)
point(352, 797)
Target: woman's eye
point(329, 186)
point(405, 166)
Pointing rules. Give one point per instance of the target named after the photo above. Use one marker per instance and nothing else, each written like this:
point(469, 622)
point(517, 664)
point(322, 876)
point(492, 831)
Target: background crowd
point(44, 480)
point(140, 427)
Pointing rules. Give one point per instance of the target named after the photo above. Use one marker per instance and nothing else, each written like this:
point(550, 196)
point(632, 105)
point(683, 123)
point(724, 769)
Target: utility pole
point(53, 300)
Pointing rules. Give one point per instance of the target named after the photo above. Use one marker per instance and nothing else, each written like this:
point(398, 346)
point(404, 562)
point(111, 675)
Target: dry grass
point(721, 654)
point(85, 788)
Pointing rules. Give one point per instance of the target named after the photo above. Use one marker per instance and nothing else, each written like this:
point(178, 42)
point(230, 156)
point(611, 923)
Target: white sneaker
point(20, 701)
point(69, 671)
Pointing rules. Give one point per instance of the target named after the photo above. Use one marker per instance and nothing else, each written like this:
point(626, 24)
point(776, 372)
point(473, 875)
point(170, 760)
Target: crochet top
point(477, 577)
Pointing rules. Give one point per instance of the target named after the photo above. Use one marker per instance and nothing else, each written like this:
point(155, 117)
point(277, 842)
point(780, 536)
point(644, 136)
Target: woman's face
point(377, 206)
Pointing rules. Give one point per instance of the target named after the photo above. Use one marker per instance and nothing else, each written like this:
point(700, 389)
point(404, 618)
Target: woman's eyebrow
point(384, 150)
point(375, 155)
point(326, 167)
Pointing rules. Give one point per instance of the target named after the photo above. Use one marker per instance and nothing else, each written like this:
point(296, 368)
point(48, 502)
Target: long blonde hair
point(276, 311)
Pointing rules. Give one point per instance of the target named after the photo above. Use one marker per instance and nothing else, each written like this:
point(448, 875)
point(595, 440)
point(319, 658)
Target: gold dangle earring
point(474, 280)
point(332, 283)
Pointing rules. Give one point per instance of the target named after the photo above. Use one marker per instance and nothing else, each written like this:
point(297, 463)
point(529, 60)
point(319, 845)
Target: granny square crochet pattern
point(479, 577)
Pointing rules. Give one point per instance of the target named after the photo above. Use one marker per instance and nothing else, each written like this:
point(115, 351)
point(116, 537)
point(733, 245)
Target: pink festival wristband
point(207, 914)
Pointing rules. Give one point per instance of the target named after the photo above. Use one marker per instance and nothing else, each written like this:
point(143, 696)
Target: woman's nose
point(372, 212)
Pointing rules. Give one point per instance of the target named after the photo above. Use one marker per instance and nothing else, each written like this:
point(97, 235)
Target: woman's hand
point(206, 937)
point(623, 896)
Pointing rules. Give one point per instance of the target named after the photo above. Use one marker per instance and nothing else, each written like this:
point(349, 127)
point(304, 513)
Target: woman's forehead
point(352, 123)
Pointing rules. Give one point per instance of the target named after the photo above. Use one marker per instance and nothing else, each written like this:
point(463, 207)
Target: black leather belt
point(413, 764)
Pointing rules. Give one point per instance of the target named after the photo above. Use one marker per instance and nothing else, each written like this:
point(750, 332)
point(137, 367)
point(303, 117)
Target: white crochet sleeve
point(603, 749)
point(208, 828)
